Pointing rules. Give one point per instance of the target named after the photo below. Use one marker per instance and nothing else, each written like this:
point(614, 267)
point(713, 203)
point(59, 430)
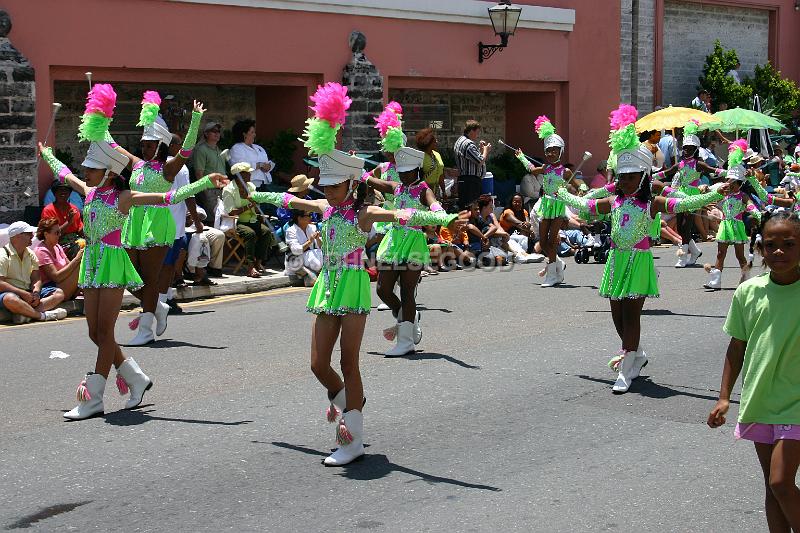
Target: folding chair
point(234, 250)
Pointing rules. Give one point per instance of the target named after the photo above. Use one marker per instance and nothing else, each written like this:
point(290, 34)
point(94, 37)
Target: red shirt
point(50, 211)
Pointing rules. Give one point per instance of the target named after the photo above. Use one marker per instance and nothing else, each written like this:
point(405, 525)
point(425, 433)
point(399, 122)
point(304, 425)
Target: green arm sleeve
point(692, 203)
point(59, 169)
point(190, 190)
point(278, 199)
point(578, 202)
point(596, 194)
point(191, 134)
point(760, 191)
point(428, 218)
point(525, 163)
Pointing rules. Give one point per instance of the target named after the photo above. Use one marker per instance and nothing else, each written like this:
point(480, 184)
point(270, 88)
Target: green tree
point(723, 88)
point(779, 96)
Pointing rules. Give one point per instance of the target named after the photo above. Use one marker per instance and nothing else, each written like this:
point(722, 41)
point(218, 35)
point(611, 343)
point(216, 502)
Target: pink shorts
point(767, 433)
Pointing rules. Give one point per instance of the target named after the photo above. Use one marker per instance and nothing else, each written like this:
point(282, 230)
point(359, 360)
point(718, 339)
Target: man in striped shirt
point(471, 163)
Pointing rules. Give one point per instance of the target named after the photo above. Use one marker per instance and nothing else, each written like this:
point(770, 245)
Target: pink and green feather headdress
point(736, 151)
point(330, 111)
point(390, 128)
point(623, 128)
point(151, 102)
point(543, 127)
point(96, 119)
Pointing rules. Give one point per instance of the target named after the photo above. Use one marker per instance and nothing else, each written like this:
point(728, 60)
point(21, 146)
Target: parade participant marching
point(685, 176)
point(106, 270)
point(765, 349)
point(340, 298)
point(630, 276)
point(732, 230)
point(403, 252)
point(150, 230)
point(552, 211)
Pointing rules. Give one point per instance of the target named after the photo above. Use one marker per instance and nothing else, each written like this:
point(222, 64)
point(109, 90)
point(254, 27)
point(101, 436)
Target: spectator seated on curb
point(515, 221)
point(20, 284)
point(455, 253)
point(257, 237)
point(205, 251)
point(304, 259)
point(56, 270)
point(68, 216)
point(499, 238)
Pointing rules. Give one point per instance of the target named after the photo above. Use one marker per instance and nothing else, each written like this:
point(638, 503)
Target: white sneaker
point(20, 319)
point(349, 436)
point(55, 314)
point(383, 307)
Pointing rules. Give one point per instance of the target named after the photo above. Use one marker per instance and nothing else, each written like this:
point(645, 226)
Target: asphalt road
point(504, 421)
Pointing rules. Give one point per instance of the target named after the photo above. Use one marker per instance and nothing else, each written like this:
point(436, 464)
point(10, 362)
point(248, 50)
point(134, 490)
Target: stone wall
point(18, 160)
point(690, 30)
point(226, 104)
point(365, 87)
point(488, 108)
point(637, 53)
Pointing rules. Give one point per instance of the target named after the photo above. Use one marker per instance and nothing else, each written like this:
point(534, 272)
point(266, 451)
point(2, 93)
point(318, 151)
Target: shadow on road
point(138, 417)
point(169, 343)
point(646, 387)
point(657, 312)
point(422, 356)
point(377, 466)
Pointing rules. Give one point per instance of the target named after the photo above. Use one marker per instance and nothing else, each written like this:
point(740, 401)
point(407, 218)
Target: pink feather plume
point(539, 121)
point(331, 103)
point(151, 97)
point(387, 119)
point(101, 99)
point(395, 107)
point(740, 143)
point(623, 116)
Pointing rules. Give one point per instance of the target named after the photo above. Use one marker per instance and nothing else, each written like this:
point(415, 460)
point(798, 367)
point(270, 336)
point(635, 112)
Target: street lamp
point(504, 17)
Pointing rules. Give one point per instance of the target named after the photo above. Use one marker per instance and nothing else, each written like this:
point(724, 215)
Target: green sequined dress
point(105, 262)
point(406, 244)
point(149, 225)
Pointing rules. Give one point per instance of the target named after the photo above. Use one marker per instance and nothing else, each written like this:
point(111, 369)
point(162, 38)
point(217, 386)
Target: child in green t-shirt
point(764, 325)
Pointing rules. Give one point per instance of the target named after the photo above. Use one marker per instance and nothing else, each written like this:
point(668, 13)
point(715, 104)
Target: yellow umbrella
point(671, 118)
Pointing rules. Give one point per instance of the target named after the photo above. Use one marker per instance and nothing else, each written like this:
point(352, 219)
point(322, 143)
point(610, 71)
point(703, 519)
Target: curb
point(189, 293)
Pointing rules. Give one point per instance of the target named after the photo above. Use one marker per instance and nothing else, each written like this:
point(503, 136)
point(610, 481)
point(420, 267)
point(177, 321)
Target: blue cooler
point(487, 184)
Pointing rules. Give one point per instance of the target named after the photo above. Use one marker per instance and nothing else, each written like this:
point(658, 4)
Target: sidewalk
point(230, 284)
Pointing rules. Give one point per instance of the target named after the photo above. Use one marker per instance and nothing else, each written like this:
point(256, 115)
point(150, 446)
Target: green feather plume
point(547, 130)
point(624, 139)
point(93, 127)
point(735, 158)
point(393, 140)
point(148, 115)
point(320, 137)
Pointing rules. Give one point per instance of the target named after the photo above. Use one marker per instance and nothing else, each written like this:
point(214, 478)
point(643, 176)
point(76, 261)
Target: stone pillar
point(637, 53)
point(18, 162)
point(365, 86)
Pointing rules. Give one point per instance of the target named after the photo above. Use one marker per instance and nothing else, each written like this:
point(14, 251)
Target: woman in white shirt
point(305, 255)
point(246, 151)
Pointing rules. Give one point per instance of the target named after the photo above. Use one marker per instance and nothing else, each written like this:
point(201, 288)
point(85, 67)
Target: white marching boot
point(349, 436)
point(90, 398)
point(550, 275)
point(338, 403)
point(694, 253)
point(714, 279)
point(145, 333)
point(131, 378)
point(639, 363)
point(405, 340)
point(683, 256)
point(560, 267)
point(161, 314)
point(625, 376)
point(417, 328)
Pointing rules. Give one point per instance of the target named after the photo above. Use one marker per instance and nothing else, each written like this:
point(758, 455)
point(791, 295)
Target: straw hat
point(300, 183)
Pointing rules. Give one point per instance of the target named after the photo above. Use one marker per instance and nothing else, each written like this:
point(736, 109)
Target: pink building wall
point(160, 41)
